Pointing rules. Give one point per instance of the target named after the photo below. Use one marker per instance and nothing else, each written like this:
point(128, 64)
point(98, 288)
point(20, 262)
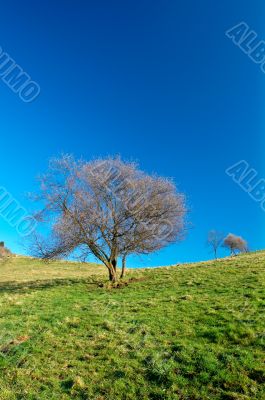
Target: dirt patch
point(15, 342)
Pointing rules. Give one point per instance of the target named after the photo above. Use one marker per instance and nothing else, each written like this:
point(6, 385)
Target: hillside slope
point(25, 269)
point(186, 332)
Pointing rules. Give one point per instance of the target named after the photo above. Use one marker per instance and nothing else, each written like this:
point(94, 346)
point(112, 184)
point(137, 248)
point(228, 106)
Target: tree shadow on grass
point(23, 287)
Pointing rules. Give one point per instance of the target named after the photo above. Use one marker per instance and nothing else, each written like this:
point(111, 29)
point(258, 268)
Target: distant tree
point(109, 208)
point(215, 240)
point(235, 244)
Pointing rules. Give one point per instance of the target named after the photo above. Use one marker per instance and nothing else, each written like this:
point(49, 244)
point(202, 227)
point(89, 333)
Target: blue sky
point(155, 81)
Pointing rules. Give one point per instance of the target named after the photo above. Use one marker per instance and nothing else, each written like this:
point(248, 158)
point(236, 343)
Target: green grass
point(186, 332)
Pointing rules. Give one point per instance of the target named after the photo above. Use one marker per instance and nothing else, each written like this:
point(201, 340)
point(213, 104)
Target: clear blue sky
point(156, 81)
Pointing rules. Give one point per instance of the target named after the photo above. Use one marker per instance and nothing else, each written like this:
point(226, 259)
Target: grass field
point(186, 332)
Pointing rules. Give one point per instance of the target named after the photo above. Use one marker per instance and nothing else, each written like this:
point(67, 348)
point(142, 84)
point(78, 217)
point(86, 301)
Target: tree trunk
point(215, 254)
point(112, 275)
point(114, 264)
point(123, 266)
point(112, 270)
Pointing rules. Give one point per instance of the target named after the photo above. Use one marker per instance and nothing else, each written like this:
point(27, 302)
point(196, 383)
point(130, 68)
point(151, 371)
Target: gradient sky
point(155, 81)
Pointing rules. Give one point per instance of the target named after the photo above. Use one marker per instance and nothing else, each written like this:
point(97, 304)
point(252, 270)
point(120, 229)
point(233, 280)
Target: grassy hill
point(21, 269)
point(185, 332)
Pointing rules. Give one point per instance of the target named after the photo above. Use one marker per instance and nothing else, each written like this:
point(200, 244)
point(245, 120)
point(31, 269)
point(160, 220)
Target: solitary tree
point(215, 240)
point(235, 244)
point(109, 208)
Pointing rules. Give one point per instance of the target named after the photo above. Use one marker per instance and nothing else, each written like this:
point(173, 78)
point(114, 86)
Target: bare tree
point(215, 240)
point(235, 244)
point(109, 208)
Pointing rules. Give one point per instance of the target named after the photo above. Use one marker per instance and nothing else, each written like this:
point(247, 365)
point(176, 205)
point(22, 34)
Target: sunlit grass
point(186, 332)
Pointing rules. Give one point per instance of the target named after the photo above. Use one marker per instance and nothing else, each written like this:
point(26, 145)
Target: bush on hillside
point(4, 251)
